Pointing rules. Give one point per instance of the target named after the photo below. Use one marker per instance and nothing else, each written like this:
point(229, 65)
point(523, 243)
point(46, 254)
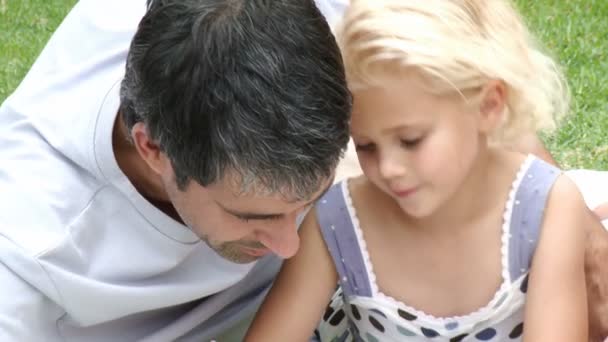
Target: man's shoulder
point(40, 198)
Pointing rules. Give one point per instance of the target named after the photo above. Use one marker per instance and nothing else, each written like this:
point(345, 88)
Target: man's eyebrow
point(247, 215)
point(250, 215)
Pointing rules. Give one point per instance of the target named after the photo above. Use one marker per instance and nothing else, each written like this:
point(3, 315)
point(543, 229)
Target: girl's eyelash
point(410, 143)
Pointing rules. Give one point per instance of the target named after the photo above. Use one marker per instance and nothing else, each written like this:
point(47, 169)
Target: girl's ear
point(492, 105)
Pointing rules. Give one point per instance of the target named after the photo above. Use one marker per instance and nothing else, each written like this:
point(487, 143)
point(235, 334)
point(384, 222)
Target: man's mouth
point(256, 252)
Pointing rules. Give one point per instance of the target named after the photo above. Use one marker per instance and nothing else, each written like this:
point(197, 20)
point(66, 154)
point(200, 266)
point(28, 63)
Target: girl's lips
point(404, 192)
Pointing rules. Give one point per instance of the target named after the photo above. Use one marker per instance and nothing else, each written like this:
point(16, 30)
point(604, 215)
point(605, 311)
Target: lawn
point(575, 31)
point(25, 26)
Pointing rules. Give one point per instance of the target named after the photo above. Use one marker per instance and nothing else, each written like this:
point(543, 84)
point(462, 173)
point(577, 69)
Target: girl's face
point(415, 146)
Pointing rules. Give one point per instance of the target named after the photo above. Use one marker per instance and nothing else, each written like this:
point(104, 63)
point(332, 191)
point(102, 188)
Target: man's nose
point(283, 241)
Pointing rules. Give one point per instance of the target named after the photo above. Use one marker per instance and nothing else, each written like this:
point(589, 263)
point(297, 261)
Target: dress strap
point(335, 220)
point(528, 213)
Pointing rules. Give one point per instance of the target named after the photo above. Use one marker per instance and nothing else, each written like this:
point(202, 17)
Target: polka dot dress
point(359, 311)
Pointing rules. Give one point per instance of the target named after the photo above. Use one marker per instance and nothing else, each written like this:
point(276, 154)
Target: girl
point(448, 235)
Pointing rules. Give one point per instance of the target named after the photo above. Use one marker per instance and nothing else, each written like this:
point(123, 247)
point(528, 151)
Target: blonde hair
point(456, 45)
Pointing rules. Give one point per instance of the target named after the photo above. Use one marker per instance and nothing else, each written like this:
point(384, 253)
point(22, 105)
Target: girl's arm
point(556, 306)
point(302, 290)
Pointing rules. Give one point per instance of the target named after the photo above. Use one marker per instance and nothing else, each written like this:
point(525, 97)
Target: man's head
point(241, 108)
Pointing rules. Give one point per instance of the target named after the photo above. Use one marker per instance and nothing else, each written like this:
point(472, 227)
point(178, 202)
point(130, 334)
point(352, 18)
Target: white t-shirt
point(83, 256)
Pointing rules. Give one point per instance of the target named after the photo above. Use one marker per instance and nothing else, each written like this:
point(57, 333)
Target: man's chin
point(241, 258)
point(240, 255)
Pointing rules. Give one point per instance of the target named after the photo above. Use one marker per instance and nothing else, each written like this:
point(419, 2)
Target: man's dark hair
point(255, 88)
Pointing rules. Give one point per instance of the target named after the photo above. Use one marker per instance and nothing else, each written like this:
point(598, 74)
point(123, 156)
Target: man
point(98, 182)
point(153, 199)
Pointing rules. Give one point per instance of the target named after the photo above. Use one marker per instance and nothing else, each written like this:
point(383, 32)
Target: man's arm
point(596, 270)
point(25, 313)
point(594, 187)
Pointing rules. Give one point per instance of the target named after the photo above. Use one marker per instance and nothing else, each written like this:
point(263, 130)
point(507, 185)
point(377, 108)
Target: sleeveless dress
point(359, 311)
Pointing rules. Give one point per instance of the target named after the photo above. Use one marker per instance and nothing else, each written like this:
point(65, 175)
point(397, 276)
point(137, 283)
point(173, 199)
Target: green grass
point(576, 31)
point(25, 26)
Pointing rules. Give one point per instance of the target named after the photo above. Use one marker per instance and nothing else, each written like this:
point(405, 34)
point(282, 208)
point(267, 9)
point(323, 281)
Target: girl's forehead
point(401, 108)
point(400, 96)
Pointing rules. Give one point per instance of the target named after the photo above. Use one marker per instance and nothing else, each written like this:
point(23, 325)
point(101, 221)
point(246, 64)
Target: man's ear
point(492, 105)
point(148, 149)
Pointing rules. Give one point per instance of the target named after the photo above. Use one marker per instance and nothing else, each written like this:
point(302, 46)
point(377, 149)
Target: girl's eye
point(364, 147)
point(411, 143)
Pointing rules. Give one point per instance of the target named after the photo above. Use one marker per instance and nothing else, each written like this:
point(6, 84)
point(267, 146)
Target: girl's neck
point(483, 192)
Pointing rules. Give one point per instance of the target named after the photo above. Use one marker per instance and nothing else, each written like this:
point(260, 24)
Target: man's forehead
point(257, 190)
